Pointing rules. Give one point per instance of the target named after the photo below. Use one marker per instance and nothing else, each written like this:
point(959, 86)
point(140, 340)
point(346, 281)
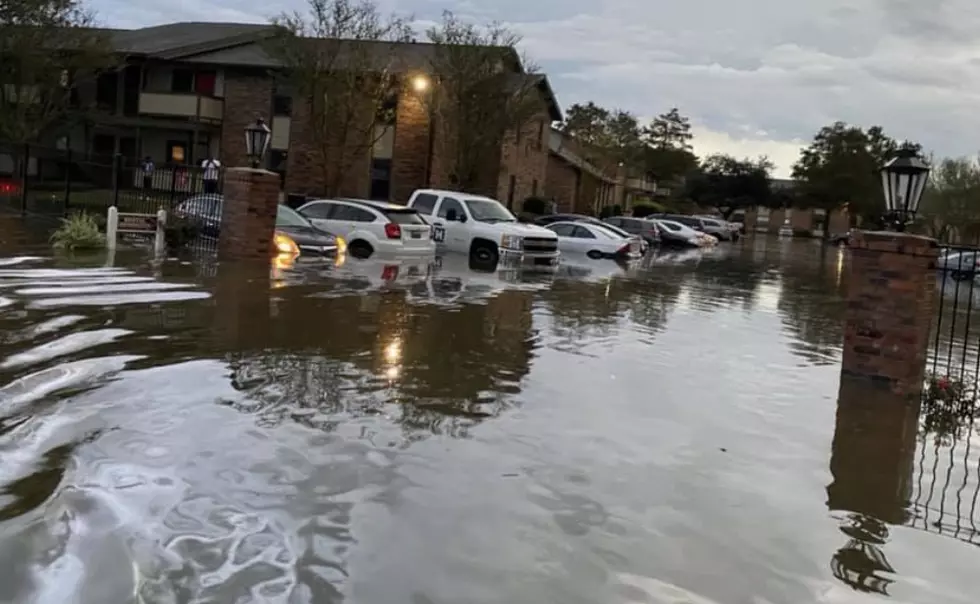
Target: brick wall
point(891, 292)
point(313, 163)
point(411, 147)
point(561, 183)
point(247, 97)
point(249, 214)
point(524, 155)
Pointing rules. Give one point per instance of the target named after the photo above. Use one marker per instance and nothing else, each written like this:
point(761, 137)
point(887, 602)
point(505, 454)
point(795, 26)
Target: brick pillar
point(249, 214)
point(890, 300)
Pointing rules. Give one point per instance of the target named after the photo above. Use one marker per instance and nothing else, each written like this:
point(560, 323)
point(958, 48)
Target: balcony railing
point(181, 105)
point(641, 184)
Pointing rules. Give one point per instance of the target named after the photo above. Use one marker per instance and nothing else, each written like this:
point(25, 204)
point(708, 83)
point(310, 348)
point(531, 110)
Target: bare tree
point(340, 58)
point(483, 92)
point(47, 48)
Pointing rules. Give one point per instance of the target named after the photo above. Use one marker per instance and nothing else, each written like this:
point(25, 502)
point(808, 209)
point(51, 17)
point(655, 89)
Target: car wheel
point(360, 249)
point(484, 254)
point(594, 254)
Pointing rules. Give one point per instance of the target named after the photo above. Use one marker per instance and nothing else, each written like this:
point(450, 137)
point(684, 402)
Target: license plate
point(416, 235)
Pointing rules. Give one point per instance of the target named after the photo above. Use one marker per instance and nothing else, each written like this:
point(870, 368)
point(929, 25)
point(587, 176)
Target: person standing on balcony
point(147, 168)
point(212, 171)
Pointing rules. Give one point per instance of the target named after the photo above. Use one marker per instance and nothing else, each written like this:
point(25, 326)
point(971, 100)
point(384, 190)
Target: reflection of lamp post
point(257, 137)
point(903, 180)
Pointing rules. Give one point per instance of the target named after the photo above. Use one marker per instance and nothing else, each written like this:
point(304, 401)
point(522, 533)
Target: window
point(404, 217)
point(615, 221)
point(182, 80)
point(512, 185)
point(320, 211)
point(534, 188)
point(424, 202)
point(204, 82)
point(282, 105)
point(448, 203)
point(380, 178)
point(286, 216)
point(387, 111)
point(352, 214)
point(580, 232)
point(563, 229)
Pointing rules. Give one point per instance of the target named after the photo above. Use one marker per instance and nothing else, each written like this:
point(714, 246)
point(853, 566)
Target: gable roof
point(175, 40)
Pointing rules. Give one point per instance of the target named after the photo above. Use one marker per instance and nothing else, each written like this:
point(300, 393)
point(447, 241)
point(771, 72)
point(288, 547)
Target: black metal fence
point(52, 181)
point(946, 484)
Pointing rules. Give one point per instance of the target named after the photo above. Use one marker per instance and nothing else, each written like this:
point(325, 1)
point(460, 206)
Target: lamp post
point(904, 179)
point(257, 137)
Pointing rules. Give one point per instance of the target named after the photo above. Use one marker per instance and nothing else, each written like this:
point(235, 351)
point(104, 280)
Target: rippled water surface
point(396, 433)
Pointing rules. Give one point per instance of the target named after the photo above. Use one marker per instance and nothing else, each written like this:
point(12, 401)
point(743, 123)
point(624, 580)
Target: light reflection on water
point(392, 431)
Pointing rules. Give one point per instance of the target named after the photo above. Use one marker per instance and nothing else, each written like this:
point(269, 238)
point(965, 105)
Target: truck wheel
point(360, 249)
point(484, 254)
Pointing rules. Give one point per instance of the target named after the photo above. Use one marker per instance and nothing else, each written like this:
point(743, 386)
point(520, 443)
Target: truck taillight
point(393, 231)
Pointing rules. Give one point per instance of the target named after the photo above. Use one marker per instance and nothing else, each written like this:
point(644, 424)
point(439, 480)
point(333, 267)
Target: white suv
point(483, 228)
point(372, 226)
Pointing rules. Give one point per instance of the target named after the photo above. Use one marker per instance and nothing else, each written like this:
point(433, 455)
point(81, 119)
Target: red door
point(204, 83)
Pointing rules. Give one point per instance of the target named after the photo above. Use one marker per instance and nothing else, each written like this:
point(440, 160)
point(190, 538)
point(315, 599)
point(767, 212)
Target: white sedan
point(673, 231)
point(595, 241)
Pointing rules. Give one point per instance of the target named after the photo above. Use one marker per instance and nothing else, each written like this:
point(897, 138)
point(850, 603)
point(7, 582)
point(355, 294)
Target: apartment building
point(188, 91)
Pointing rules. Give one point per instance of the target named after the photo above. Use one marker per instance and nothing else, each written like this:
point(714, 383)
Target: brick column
point(249, 214)
point(890, 300)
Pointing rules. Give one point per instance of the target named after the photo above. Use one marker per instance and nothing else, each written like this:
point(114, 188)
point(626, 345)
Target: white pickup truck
point(484, 229)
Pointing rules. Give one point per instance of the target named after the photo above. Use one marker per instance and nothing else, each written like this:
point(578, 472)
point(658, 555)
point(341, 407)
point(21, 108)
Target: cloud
point(753, 75)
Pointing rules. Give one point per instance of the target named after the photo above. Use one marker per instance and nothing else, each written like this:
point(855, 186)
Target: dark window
point(616, 221)
point(380, 178)
point(510, 191)
point(563, 230)
point(106, 86)
point(404, 217)
point(424, 202)
point(182, 80)
point(448, 203)
point(352, 214)
point(387, 111)
point(581, 232)
point(321, 211)
point(534, 188)
point(282, 105)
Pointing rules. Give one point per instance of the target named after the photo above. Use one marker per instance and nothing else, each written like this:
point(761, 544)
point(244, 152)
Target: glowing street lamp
point(904, 179)
point(420, 83)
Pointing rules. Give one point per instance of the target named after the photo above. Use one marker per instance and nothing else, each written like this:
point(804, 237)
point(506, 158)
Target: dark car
point(647, 229)
point(205, 210)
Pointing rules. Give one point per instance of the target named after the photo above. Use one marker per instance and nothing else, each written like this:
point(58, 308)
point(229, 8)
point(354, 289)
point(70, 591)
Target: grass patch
point(78, 232)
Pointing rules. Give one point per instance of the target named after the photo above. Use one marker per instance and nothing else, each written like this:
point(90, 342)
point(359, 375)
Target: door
point(348, 219)
point(320, 214)
point(454, 232)
point(583, 240)
point(564, 232)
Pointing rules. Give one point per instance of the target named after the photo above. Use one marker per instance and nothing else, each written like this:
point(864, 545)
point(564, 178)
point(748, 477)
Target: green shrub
point(608, 211)
point(78, 232)
point(642, 210)
point(534, 205)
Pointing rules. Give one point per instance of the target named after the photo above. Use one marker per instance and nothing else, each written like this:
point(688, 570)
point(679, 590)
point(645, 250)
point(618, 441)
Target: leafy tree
point(484, 92)
point(841, 166)
point(47, 48)
point(343, 77)
point(729, 184)
point(951, 202)
point(668, 154)
point(610, 138)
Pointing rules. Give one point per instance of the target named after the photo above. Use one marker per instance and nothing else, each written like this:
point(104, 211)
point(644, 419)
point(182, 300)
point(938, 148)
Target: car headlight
point(512, 242)
point(284, 244)
point(341, 244)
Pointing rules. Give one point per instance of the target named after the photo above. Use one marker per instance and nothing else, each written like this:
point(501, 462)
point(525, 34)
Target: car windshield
point(488, 210)
point(288, 217)
point(670, 226)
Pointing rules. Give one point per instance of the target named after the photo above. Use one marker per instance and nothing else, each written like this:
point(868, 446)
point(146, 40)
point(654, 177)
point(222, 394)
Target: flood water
point(667, 432)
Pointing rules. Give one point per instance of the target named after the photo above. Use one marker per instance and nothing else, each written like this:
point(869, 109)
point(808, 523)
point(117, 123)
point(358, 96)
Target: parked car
point(372, 226)
point(552, 218)
point(692, 222)
point(719, 228)
point(647, 229)
point(206, 210)
point(595, 241)
point(959, 265)
point(484, 229)
point(677, 234)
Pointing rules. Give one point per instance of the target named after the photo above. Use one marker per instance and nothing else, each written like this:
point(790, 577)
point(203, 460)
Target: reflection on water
point(671, 430)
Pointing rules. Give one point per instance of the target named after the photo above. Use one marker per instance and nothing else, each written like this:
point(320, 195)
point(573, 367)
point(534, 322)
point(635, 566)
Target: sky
point(756, 77)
